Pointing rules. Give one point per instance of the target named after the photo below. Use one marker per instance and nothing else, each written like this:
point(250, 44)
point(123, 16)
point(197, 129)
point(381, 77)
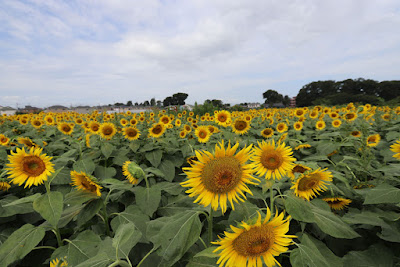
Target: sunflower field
point(316, 186)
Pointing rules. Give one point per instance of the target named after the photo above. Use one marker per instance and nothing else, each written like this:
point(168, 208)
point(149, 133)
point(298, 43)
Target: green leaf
point(89, 211)
point(155, 171)
point(148, 199)
point(29, 199)
point(170, 188)
point(168, 168)
point(331, 224)
point(54, 175)
point(154, 157)
point(84, 165)
point(102, 172)
point(175, 235)
point(307, 254)
point(78, 197)
point(50, 206)
point(299, 209)
point(134, 215)
point(375, 255)
point(100, 260)
point(126, 237)
point(20, 243)
point(80, 249)
point(107, 149)
point(208, 252)
point(383, 193)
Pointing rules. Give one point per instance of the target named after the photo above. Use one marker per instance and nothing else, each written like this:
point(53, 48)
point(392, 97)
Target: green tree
point(286, 101)
point(152, 102)
point(179, 98)
point(271, 97)
point(129, 103)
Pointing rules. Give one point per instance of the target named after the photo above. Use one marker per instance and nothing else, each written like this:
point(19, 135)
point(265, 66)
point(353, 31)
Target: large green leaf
point(12, 205)
point(20, 243)
point(154, 157)
point(332, 224)
point(148, 199)
point(80, 249)
point(134, 215)
point(383, 193)
point(307, 254)
point(374, 256)
point(107, 149)
point(126, 237)
point(175, 235)
point(84, 165)
point(104, 172)
point(299, 209)
point(100, 260)
point(50, 206)
point(89, 211)
point(168, 168)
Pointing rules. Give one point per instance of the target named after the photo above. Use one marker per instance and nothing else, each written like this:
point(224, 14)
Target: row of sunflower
point(128, 172)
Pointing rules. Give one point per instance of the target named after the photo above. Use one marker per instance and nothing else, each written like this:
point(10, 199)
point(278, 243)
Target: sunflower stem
point(271, 200)
point(145, 257)
point(210, 225)
point(119, 263)
point(44, 247)
point(106, 219)
point(56, 231)
point(202, 241)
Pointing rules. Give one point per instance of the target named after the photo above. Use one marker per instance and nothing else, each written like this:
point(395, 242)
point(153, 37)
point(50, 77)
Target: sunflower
point(23, 121)
point(49, 120)
point(314, 114)
point(223, 118)
point(65, 128)
point(192, 160)
point(131, 133)
point(87, 140)
point(36, 123)
point(298, 168)
point(396, 149)
point(216, 178)
point(157, 130)
point(133, 121)
point(336, 123)
point(107, 130)
point(272, 161)
point(178, 122)
point(94, 127)
point(240, 126)
point(356, 133)
point(373, 140)
point(213, 129)
point(386, 117)
point(123, 122)
point(309, 184)
point(267, 132)
point(165, 120)
point(4, 140)
point(337, 203)
point(85, 182)
point(251, 244)
point(298, 126)
point(299, 112)
point(182, 134)
point(79, 121)
point(132, 172)
point(57, 263)
point(282, 138)
point(282, 127)
point(26, 141)
point(4, 186)
point(350, 116)
point(29, 167)
point(320, 125)
point(203, 134)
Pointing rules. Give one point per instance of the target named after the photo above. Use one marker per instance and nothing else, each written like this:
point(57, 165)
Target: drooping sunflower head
point(271, 160)
point(396, 149)
point(282, 127)
point(85, 182)
point(320, 125)
point(203, 134)
point(157, 130)
point(241, 126)
point(4, 185)
point(132, 172)
point(337, 203)
point(267, 132)
point(223, 118)
point(29, 167)
point(336, 123)
point(309, 184)
point(373, 140)
point(251, 244)
point(298, 168)
point(131, 133)
point(26, 141)
point(219, 177)
point(66, 128)
point(107, 130)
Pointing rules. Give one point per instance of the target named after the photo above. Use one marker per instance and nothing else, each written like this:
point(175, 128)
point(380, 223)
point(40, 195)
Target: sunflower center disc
point(132, 133)
point(87, 185)
point(202, 134)
point(221, 175)
point(299, 169)
point(33, 165)
point(255, 241)
point(307, 183)
point(157, 129)
point(271, 160)
point(107, 131)
point(240, 125)
point(222, 118)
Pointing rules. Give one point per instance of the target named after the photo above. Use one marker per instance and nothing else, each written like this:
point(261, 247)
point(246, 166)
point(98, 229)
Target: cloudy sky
point(93, 52)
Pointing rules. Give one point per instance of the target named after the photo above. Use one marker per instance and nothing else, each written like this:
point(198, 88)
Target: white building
point(7, 111)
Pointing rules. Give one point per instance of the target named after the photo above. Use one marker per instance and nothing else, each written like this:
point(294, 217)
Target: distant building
point(29, 109)
point(7, 111)
point(293, 102)
point(253, 105)
point(56, 108)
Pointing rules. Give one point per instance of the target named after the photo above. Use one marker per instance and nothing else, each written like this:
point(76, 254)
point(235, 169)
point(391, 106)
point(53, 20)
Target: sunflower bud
point(133, 172)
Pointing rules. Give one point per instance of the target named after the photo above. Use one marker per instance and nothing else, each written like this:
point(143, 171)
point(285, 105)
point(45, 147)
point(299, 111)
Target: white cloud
point(86, 52)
